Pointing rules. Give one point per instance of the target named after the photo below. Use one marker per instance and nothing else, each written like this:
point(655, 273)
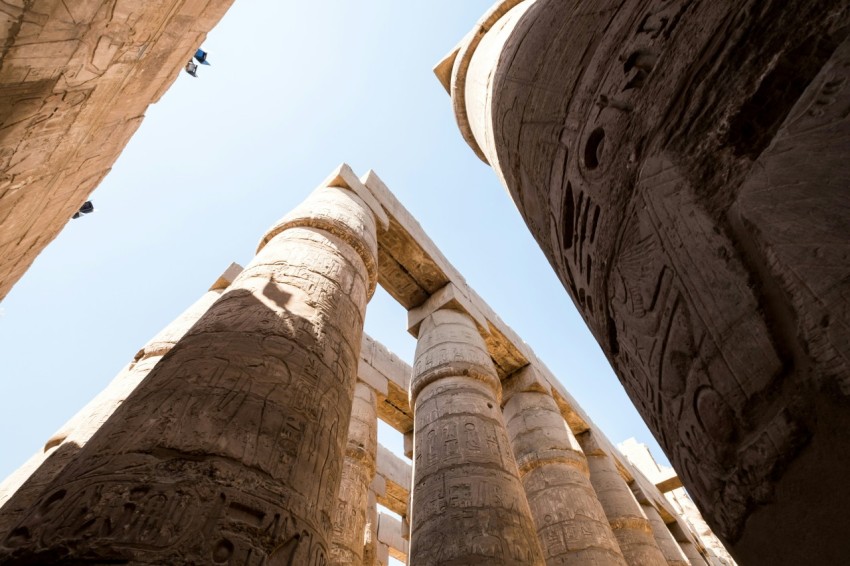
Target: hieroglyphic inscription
point(571, 524)
point(75, 81)
point(231, 451)
point(349, 518)
point(625, 155)
point(467, 501)
point(629, 524)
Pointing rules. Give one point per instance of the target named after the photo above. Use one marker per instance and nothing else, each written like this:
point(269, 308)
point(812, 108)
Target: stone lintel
point(390, 533)
point(389, 377)
point(372, 378)
point(343, 176)
point(226, 278)
point(449, 297)
point(378, 486)
point(525, 380)
point(397, 477)
point(671, 483)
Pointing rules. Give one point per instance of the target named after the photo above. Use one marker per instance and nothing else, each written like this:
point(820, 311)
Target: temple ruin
point(245, 432)
point(683, 166)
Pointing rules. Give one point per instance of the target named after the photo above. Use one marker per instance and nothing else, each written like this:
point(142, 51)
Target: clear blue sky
point(295, 88)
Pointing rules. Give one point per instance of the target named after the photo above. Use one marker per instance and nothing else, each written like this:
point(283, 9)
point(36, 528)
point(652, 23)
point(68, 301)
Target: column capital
point(450, 346)
point(344, 207)
point(525, 380)
point(449, 297)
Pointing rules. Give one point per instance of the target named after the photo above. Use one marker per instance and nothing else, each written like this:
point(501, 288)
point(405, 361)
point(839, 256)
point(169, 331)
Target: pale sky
point(294, 89)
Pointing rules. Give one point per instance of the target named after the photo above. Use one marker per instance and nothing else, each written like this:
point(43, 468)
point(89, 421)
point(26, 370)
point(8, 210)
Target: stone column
point(630, 525)
point(571, 524)
point(664, 538)
point(689, 549)
point(21, 489)
point(231, 451)
point(357, 473)
point(468, 506)
point(370, 543)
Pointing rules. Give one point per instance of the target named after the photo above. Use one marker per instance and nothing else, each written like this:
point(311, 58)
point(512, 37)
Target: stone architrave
point(358, 470)
point(630, 525)
point(21, 489)
point(231, 451)
point(468, 505)
point(571, 524)
point(666, 542)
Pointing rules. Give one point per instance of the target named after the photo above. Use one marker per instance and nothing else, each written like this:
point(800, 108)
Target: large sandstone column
point(686, 543)
point(21, 489)
point(231, 450)
point(357, 473)
point(571, 524)
point(683, 166)
point(664, 538)
point(468, 506)
point(630, 525)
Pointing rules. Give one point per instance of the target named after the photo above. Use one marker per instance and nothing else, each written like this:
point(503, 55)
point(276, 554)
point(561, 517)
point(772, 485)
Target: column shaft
point(686, 543)
point(357, 473)
point(627, 520)
point(666, 542)
point(231, 450)
point(21, 489)
point(571, 524)
point(370, 544)
point(468, 506)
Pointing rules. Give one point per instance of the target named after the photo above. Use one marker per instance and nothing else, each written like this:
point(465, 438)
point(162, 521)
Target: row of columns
point(499, 478)
point(245, 438)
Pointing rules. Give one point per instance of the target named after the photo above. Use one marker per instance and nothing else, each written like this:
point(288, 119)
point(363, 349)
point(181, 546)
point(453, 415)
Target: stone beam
point(75, 81)
point(394, 483)
point(389, 377)
point(390, 533)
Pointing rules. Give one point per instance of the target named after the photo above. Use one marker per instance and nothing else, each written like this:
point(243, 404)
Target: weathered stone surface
point(370, 543)
point(689, 548)
point(390, 534)
point(664, 538)
point(232, 448)
point(630, 525)
point(571, 524)
point(397, 476)
point(349, 517)
point(689, 525)
point(75, 80)
point(468, 506)
point(21, 490)
point(683, 166)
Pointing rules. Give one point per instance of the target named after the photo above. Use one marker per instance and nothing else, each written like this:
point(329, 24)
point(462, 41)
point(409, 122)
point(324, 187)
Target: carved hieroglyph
point(357, 472)
point(20, 490)
point(683, 167)
point(630, 525)
point(571, 524)
point(231, 450)
point(468, 506)
point(76, 77)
